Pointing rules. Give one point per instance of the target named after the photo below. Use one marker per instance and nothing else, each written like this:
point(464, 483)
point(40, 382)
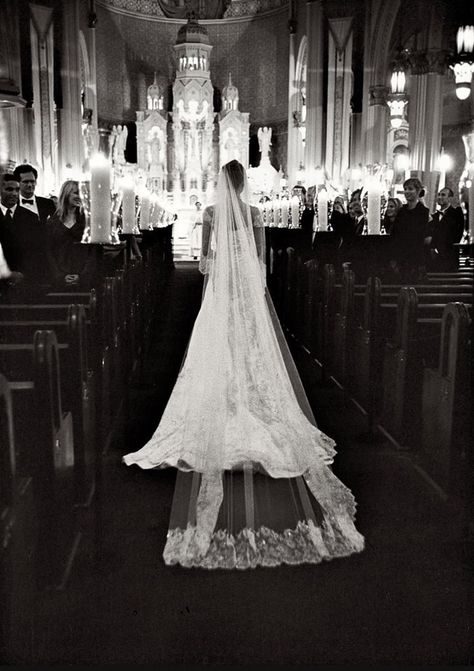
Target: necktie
point(27, 202)
point(8, 216)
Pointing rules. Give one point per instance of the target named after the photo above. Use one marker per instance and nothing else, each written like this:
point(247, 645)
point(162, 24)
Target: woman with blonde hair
point(69, 261)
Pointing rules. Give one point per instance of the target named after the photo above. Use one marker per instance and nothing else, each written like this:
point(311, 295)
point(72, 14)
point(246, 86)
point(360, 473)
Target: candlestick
point(145, 209)
point(100, 198)
point(323, 210)
point(295, 211)
point(128, 205)
point(374, 193)
point(284, 212)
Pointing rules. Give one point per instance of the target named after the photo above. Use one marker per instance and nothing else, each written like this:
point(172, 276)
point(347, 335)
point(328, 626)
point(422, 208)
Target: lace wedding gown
point(254, 485)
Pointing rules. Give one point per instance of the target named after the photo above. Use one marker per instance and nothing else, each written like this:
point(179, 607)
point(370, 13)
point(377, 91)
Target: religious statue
point(119, 135)
point(264, 141)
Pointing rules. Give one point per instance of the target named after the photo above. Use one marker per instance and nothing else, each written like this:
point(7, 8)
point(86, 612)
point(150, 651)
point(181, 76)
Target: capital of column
point(431, 61)
point(378, 95)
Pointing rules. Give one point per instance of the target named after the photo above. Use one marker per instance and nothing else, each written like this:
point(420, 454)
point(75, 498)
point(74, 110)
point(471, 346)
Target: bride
point(254, 484)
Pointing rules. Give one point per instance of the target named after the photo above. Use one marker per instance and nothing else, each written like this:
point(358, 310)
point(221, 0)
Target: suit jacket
point(445, 231)
point(448, 229)
point(24, 245)
point(46, 208)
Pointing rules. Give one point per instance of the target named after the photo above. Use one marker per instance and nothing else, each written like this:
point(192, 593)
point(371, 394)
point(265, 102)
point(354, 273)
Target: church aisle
point(406, 598)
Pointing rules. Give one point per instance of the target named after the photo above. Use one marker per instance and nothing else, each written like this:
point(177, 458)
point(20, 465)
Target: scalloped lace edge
point(307, 543)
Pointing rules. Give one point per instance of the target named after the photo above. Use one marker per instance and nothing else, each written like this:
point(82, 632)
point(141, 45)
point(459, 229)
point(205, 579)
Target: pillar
point(42, 60)
point(339, 97)
point(314, 87)
point(71, 139)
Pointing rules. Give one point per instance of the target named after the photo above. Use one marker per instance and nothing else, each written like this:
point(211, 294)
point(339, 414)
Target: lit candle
point(323, 210)
point(284, 213)
point(144, 209)
point(128, 205)
point(100, 198)
point(155, 211)
point(374, 194)
point(295, 211)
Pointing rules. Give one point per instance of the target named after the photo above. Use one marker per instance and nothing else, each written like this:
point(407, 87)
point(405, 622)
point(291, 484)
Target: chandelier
point(463, 63)
point(397, 99)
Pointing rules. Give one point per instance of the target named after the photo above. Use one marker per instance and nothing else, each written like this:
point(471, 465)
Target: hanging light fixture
point(397, 99)
point(463, 62)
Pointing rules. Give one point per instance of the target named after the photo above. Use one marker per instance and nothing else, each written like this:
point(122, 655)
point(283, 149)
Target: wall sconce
point(397, 99)
point(463, 63)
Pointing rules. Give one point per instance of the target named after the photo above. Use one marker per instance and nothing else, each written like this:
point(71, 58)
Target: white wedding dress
point(255, 485)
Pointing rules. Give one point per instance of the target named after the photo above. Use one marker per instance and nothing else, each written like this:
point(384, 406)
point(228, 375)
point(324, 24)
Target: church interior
point(348, 116)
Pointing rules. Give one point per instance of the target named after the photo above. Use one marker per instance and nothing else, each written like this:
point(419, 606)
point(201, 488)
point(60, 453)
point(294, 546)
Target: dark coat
point(67, 256)
point(46, 208)
point(24, 245)
point(445, 231)
point(409, 231)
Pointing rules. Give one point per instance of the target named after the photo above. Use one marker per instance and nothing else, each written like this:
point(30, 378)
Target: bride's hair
point(236, 174)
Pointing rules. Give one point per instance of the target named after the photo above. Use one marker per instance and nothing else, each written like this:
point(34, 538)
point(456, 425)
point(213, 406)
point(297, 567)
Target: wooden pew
point(367, 352)
point(44, 450)
point(341, 368)
point(18, 536)
point(446, 406)
point(77, 383)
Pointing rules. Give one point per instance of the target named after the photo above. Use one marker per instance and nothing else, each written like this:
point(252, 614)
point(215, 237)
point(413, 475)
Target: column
point(376, 135)
point(314, 87)
point(42, 57)
point(291, 154)
point(12, 136)
point(339, 97)
point(425, 119)
point(71, 143)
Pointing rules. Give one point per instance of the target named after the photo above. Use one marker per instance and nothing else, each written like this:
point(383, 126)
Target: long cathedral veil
point(254, 486)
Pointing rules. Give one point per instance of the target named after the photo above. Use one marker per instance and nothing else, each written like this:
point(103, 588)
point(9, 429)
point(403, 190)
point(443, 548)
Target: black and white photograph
point(236, 344)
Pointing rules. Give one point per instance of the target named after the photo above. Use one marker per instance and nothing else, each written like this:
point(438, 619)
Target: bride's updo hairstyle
point(236, 174)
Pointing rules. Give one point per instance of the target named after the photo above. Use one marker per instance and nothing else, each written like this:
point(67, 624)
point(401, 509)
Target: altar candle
point(295, 211)
point(100, 198)
point(284, 213)
point(323, 210)
point(128, 205)
point(373, 207)
point(145, 209)
point(155, 211)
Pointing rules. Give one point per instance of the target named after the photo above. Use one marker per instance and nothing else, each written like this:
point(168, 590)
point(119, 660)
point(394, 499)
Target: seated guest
point(391, 211)
point(409, 232)
point(71, 263)
point(27, 176)
point(446, 229)
point(22, 240)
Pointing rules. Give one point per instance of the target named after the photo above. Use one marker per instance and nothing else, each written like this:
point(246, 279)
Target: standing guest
point(391, 211)
point(340, 220)
point(70, 262)
point(27, 176)
point(446, 229)
point(21, 238)
point(357, 216)
point(409, 232)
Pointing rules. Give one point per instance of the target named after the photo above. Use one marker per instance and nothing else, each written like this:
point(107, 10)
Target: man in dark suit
point(446, 229)
point(27, 176)
point(22, 238)
point(357, 216)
